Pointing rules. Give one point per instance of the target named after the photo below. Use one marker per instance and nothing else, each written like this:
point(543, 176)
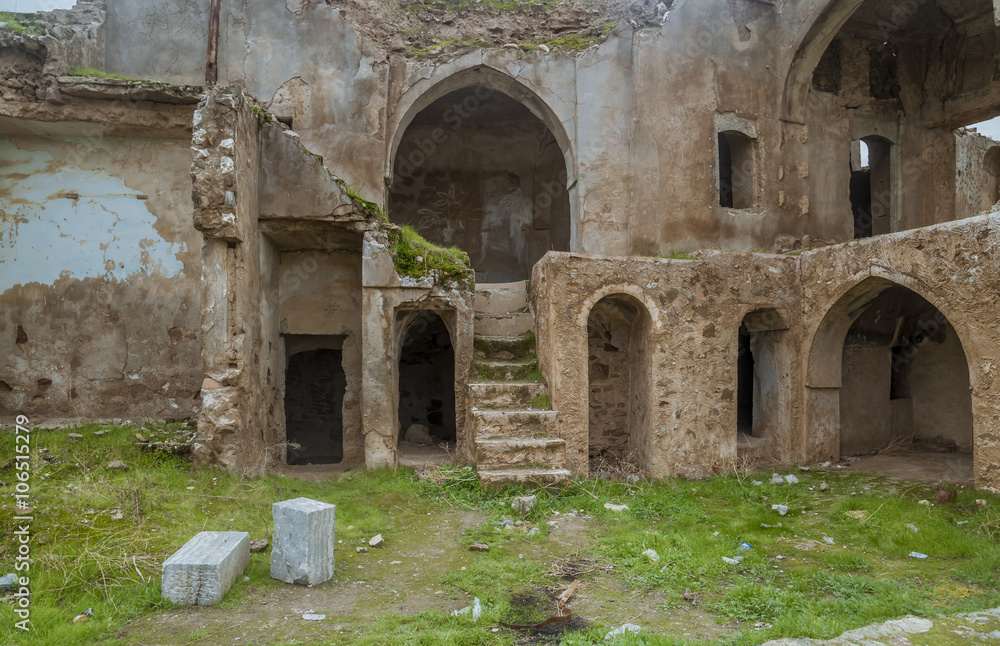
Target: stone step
point(500, 298)
point(487, 370)
point(527, 475)
point(504, 422)
point(505, 324)
point(505, 394)
point(505, 348)
point(509, 452)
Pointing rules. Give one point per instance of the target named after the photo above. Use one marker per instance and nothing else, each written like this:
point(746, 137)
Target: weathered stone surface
point(304, 539)
point(202, 571)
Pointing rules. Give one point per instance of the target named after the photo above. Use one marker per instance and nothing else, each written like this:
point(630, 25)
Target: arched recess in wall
point(814, 36)
point(887, 367)
point(480, 162)
point(618, 332)
point(425, 360)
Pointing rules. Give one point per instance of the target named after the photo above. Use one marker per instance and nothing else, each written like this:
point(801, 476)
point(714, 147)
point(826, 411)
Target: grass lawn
point(839, 560)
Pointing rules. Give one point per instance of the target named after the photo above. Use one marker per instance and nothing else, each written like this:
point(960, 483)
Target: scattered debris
point(560, 605)
point(117, 465)
point(756, 483)
point(777, 480)
point(912, 528)
point(781, 509)
point(790, 479)
point(313, 617)
point(860, 514)
point(116, 514)
point(745, 547)
point(624, 629)
point(824, 487)
point(828, 540)
point(918, 555)
point(74, 436)
point(980, 502)
point(689, 596)
point(141, 437)
point(651, 555)
point(770, 526)
point(943, 495)
point(258, 545)
point(476, 608)
point(926, 503)
point(83, 616)
point(803, 468)
point(377, 541)
point(361, 550)
point(479, 547)
point(825, 464)
point(733, 561)
point(8, 582)
point(524, 504)
point(614, 507)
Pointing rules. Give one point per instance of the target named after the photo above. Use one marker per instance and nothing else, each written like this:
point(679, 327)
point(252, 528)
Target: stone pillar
point(201, 572)
point(304, 532)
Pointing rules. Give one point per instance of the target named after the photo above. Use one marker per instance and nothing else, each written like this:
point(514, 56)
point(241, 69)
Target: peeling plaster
point(106, 231)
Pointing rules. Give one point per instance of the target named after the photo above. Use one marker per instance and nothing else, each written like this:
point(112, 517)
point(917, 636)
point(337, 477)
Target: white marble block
point(201, 572)
point(303, 541)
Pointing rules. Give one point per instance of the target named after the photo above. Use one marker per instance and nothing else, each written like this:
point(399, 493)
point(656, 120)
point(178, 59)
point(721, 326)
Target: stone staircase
point(510, 416)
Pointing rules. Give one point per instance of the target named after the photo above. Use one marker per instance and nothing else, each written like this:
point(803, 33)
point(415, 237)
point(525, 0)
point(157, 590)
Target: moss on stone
point(20, 24)
point(415, 256)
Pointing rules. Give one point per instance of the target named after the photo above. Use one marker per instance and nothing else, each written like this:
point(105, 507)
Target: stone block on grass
point(303, 541)
point(202, 571)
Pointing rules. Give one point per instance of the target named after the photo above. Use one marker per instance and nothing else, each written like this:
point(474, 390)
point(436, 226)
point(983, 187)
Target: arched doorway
point(477, 169)
point(426, 384)
point(894, 368)
point(619, 372)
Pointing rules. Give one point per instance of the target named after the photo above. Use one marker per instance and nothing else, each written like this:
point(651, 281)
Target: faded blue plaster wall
point(100, 297)
point(106, 232)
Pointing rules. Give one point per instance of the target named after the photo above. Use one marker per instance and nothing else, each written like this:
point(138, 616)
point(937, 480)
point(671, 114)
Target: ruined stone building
point(736, 228)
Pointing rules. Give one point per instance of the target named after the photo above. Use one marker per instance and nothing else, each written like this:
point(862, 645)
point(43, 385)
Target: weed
point(20, 25)
point(542, 402)
point(90, 72)
point(680, 254)
point(415, 256)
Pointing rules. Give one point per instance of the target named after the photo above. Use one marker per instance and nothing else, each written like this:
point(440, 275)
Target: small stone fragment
point(479, 547)
point(918, 555)
point(651, 555)
point(912, 528)
point(781, 509)
point(116, 514)
point(777, 480)
point(258, 545)
point(377, 541)
point(117, 465)
point(790, 479)
point(624, 629)
point(824, 487)
point(614, 507)
point(313, 617)
point(418, 434)
point(524, 504)
point(361, 550)
point(74, 436)
point(8, 582)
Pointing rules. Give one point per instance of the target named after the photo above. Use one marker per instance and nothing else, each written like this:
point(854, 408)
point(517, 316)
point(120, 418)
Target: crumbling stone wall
point(99, 273)
point(817, 296)
point(241, 359)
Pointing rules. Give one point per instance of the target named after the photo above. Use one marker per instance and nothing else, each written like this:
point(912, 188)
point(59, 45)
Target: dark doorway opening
point(861, 203)
point(315, 384)
point(744, 383)
point(427, 380)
